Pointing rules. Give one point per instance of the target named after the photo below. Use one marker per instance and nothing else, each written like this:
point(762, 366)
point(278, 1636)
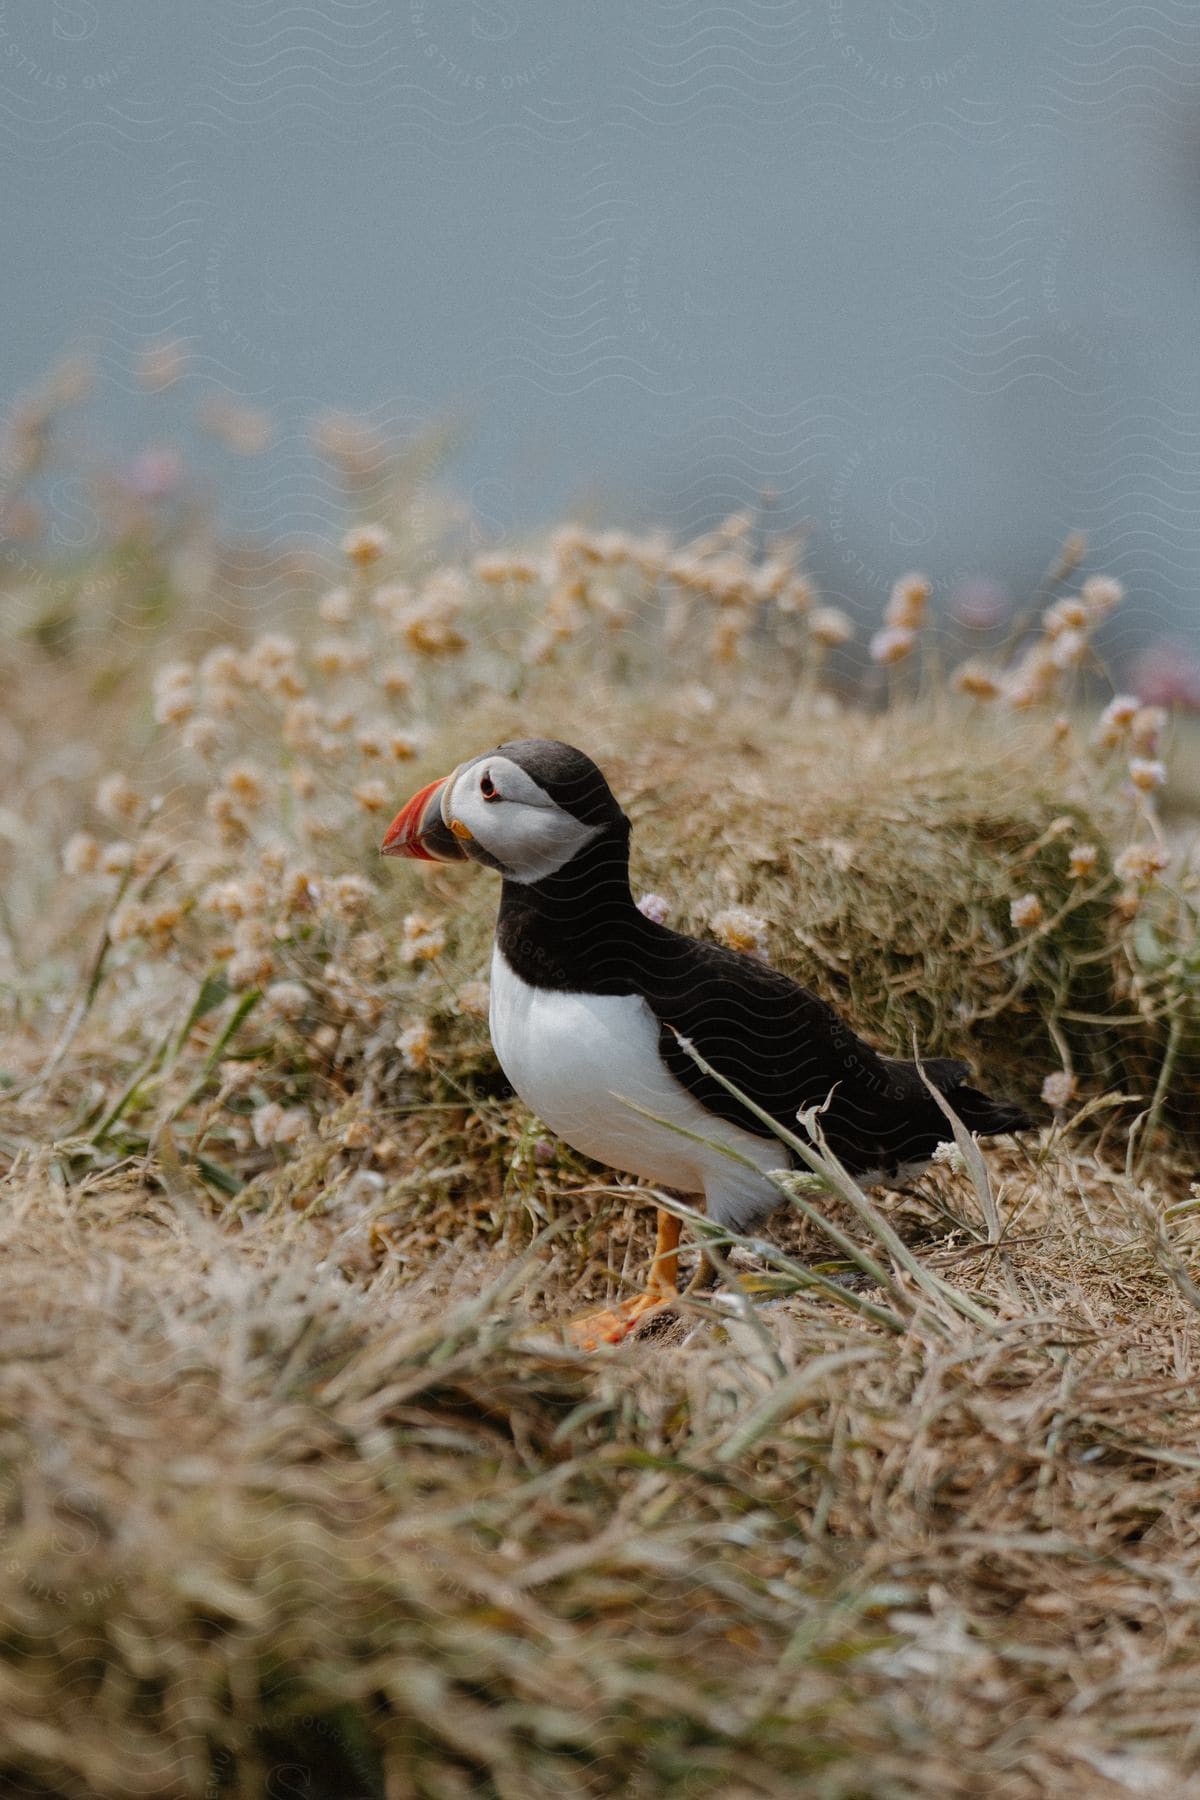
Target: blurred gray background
point(927, 272)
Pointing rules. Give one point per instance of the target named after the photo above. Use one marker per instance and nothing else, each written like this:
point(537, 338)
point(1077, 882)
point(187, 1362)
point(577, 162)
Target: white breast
point(577, 1059)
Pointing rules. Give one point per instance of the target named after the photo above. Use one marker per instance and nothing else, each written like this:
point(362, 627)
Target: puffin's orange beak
point(420, 830)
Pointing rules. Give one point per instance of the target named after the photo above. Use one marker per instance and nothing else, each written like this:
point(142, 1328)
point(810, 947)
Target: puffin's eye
point(488, 788)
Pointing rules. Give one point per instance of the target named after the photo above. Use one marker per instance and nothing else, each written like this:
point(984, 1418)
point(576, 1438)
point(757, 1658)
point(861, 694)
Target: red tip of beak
point(418, 829)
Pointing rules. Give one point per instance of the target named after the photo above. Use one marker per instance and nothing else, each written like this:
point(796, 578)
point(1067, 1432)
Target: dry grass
point(262, 1516)
point(302, 1493)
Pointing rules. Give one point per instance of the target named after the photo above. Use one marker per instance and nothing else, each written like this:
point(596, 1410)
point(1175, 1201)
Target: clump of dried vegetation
point(302, 1491)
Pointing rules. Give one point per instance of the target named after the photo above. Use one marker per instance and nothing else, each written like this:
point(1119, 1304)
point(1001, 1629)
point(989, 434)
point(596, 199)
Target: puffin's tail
point(978, 1111)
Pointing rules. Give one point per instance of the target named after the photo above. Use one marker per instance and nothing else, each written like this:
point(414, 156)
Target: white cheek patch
point(526, 831)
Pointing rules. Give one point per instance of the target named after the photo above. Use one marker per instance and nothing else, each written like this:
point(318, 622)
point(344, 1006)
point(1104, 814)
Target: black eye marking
point(488, 788)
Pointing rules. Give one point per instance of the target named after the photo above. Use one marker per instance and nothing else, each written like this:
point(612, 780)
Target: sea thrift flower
point(1100, 594)
point(300, 891)
point(339, 656)
point(1058, 1089)
point(431, 635)
point(1069, 650)
point(336, 607)
point(174, 693)
point(741, 930)
point(236, 1076)
point(244, 781)
point(977, 680)
point(1120, 713)
point(421, 939)
point(287, 998)
point(154, 474)
point(223, 811)
point(115, 858)
point(830, 626)
point(1084, 861)
point(1148, 726)
point(473, 999)
point(233, 899)
point(270, 665)
point(907, 601)
point(1063, 616)
point(365, 545)
point(367, 952)
point(275, 1124)
point(496, 569)
point(349, 897)
point(372, 796)
point(654, 907)
point(1033, 680)
point(391, 601)
point(251, 967)
point(222, 667)
point(797, 597)
point(414, 1044)
point(202, 734)
point(117, 799)
point(81, 854)
point(372, 742)
point(893, 644)
point(301, 728)
point(1026, 912)
point(395, 679)
point(1141, 862)
point(1146, 775)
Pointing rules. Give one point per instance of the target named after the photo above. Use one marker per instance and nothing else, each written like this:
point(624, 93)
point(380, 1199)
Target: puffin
point(593, 1006)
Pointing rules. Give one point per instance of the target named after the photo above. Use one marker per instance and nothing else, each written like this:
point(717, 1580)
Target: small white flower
point(1026, 912)
point(414, 1044)
point(275, 1124)
point(365, 545)
point(81, 854)
point(1146, 775)
point(1121, 711)
point(829, 626)
point(287, 998)
point(1058, 1089)
point(473, 999)
point(1064, 616)
point(1069, 649)
point(1141, 862)
point(654, 907)
point(741, 930)
point(117, 799)
point(907, 602)
point(1100, 594)
point(893, 644)
point(422, 939)
point(1147, 729)
point(976, 679)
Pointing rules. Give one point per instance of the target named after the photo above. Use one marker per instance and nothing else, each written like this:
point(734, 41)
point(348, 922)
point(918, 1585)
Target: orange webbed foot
point(613, 1324)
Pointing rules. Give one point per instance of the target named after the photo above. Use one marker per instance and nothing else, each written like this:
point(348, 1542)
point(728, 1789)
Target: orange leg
point(612, 1324)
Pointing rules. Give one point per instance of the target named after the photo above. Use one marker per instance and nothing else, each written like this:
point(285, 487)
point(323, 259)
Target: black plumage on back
point(580, 931)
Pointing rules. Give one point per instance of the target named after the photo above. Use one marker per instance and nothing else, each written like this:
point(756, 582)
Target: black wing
point(788, 1050)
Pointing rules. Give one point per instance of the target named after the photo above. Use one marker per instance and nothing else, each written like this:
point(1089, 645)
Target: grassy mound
point(882, 855)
